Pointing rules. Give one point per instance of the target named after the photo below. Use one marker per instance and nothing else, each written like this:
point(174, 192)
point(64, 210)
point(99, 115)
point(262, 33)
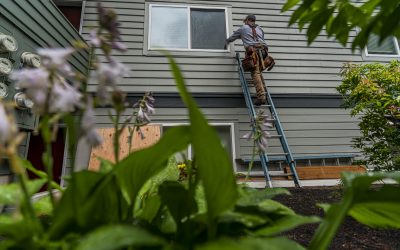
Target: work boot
point(259, 102)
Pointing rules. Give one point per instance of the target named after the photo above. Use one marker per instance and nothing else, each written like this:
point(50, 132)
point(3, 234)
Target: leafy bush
point(372, 91)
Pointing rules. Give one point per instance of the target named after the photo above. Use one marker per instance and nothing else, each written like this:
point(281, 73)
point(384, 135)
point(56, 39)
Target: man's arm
point(234, 36)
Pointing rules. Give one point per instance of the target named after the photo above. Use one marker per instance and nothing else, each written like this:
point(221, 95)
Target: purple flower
point(259, 131)
point(108, 75)
point(64, 98)
point(248, 135)
point(88, 130)
point(55, 59)
point(94, 39)
point(108, 21)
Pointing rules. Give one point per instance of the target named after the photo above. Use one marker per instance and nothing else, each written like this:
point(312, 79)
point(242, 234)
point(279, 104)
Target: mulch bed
point(352, 235)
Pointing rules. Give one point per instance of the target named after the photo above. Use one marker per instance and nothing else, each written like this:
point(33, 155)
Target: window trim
point(187, 7)
point(396, 46)
point(231, 126)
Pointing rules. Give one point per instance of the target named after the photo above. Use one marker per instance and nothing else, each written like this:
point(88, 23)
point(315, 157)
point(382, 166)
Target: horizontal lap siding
point(299, 68)
point(43, 24)
point(310, 131)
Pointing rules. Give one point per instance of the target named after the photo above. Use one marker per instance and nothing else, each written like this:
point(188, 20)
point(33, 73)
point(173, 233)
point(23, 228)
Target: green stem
point(131, 133)
point(331, 223)
point(251, 162)
point(22, 179)
point(48, 162)
point(116, 136)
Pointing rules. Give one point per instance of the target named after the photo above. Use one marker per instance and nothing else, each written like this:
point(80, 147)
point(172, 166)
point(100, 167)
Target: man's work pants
point(258, 81)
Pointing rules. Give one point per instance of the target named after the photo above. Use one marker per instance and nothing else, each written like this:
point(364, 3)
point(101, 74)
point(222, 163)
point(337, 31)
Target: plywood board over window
point(151, 134)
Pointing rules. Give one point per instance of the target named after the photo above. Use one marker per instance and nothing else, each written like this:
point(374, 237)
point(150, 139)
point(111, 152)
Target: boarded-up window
point(151, 134)
point(187, 28)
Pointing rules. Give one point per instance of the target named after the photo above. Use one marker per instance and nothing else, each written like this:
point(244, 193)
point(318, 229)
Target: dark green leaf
point(248, 220)
point(278, 243)
point(289, 4)
point(117, 237)
point(214, 165)
point(178, 199)
point(317, 23)
point(286, 223)
point(28, 165)
point(249, 197)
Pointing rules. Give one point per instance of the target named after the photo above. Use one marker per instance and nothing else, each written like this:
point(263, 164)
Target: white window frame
point(231, 126)
point(396, 46)
point(188, 7)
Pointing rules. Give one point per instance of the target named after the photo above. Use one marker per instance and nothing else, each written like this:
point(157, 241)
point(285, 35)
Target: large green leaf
point(117, 237)
point(278, 243)
point(214, 165)
point(136, 169)
point(251, 196)
point(12, 193)
point(379, 207)
point(41, 174)
point(178, 199)
point(69, 209)
point(286, 223)
point(248, 220)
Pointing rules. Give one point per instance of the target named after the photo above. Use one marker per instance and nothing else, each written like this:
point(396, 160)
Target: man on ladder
point(256, 54)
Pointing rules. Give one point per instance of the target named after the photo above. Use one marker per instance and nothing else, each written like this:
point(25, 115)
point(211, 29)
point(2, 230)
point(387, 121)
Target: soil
point(351, 235)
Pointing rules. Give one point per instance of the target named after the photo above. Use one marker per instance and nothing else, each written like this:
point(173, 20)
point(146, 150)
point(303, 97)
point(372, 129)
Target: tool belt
point(257, 54)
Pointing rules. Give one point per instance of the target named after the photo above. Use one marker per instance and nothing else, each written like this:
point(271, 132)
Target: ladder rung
point(276, 154)
point(280, 175)
point(263, 106)
point(275, 136)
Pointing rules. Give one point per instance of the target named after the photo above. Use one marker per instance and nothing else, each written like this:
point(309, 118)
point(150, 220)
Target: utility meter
point(8, 43)
point(30, 59)
point(22, 102)
point(3, 90)
point(5, 66)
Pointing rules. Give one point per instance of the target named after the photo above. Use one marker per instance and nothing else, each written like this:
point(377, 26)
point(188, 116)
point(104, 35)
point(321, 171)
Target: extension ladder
point(281, 135)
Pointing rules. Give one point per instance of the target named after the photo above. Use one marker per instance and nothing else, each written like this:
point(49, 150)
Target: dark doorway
point(35, 152)
point(73, 14)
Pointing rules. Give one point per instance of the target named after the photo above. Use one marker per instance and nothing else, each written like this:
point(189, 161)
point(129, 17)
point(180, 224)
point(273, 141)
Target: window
point(72, 10)
point(225, 133)
point(388, 47)
point(187, 28)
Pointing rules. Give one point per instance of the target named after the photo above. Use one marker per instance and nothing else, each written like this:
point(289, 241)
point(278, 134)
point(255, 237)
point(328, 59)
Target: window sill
point(189, 53)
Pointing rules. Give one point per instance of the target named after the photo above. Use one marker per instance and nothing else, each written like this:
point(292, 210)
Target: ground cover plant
point(142, 201)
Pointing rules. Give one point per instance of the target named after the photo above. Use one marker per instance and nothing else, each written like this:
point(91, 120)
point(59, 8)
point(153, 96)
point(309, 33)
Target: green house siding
point(302, 82)
point(35, 24)
point(299, 68)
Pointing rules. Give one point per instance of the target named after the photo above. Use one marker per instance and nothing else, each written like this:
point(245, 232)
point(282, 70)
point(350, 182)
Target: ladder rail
point(284, 143)
point(252, 113)
point(285, 146)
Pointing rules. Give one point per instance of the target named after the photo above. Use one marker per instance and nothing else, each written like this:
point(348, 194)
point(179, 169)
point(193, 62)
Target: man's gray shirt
point(246, 34)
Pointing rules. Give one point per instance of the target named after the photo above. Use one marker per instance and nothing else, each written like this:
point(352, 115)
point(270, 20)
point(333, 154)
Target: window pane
point(224, 133)
point(169, 27)
point(386, 47)
point(208, 28)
